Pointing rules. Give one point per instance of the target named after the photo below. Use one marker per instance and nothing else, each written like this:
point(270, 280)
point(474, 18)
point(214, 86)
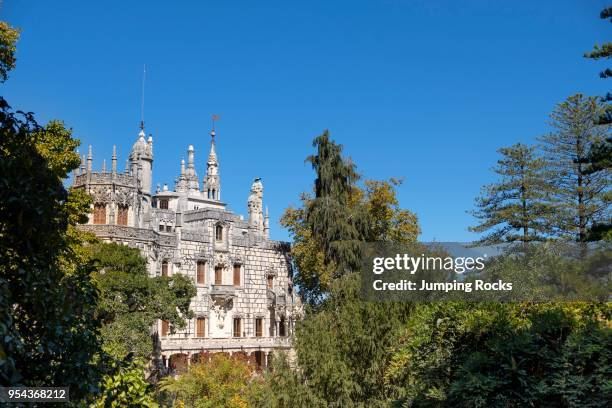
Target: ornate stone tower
point(212, 182)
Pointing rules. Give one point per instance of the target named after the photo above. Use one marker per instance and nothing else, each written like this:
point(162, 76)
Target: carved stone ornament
point(101, 194)
point(124, 196)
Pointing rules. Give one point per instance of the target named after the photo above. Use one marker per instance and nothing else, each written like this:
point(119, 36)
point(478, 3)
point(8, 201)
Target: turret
point(141, 159)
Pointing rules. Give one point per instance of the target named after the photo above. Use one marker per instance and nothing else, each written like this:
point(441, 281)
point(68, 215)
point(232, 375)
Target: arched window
point(219, 233)
point(164, 268)
point(99, 213)
point(122, 215)
point(201, 273)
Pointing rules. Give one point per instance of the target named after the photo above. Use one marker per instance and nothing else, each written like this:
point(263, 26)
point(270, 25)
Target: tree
point(131, 302)
point(220, 381)
point(337, 230)
point(8, 41)
point(342, 351)
point(341, 344)
point(576, 194)
point(125, 386)
point(493, 354)
point(514, 208)
point(48, 326)
point(377, 205)
point(598, 52)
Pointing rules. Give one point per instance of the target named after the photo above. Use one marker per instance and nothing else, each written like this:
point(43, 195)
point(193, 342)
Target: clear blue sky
point(425, 90)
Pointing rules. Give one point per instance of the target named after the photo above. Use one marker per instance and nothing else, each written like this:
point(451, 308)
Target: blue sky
point(425, 90)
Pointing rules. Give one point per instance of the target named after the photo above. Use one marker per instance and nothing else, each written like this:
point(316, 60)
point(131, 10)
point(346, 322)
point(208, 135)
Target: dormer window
point(218, 233)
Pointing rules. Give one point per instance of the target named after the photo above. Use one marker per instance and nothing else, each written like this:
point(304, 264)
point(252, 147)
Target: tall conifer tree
point(578, 194)
point(338, 229)
point(513, 209)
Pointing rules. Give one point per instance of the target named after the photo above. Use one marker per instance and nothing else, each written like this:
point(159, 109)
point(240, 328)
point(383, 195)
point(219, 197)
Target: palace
point(245, 301)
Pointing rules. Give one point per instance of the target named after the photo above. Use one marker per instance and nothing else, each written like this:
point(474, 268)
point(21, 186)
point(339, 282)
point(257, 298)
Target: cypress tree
point(338, 229)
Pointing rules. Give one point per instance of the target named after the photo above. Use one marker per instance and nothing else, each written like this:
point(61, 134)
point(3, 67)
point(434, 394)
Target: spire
point(127, 166)
point(89, 159)
point(182, 167)
point(212, 182)
point(266, 224)
point(82, 171)
point(114, 159)
point(104, 166)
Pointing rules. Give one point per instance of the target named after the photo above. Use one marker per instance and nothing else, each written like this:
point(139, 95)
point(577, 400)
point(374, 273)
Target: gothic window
point(201, 273)
point(122, 215)
point(161, 227)
point(201, 327)
point(218, 275)
point(219, 233)
point(168, 228)
point(165, 326)
point(270, 282)
point(100, 213)
point(259, 327)
point(237, 327)
point(163, 204)
point(164, 268)
point(236, 275)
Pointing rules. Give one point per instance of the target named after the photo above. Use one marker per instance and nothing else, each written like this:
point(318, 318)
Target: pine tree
point(514, 208)
point(578, 194)
point(604, 51)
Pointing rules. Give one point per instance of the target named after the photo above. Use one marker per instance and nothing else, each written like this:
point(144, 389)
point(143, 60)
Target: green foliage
point(131, 302)
point(342, 348)
point(514, 208)
point(48, 325)
point(220, 381)
point(327, 229)
point(126, 387)
point(598, 52)
point(504, 355)
point(578, 195)
point(8, 41)
point(337, 230)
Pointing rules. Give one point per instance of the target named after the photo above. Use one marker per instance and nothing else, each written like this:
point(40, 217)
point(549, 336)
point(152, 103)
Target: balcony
point(225, 292)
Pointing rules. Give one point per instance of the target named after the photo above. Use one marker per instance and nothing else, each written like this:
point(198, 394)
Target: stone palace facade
point(245, 301)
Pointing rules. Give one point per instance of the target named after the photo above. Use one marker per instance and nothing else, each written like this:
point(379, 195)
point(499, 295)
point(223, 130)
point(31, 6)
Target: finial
point(212, 132)
point(114, 159)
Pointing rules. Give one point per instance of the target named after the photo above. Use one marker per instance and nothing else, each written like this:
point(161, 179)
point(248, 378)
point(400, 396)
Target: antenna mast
point(142, 100)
